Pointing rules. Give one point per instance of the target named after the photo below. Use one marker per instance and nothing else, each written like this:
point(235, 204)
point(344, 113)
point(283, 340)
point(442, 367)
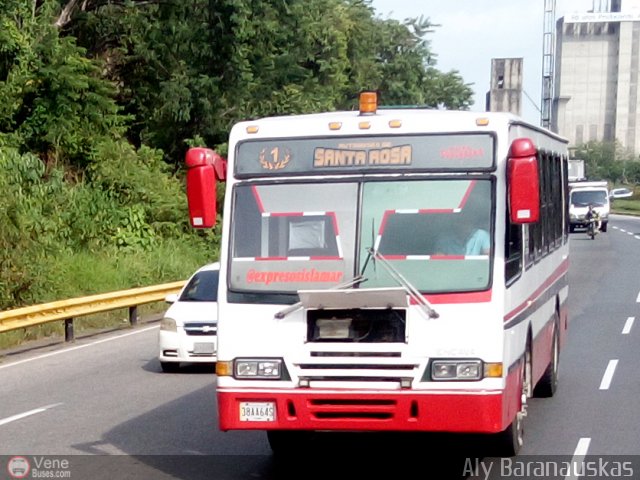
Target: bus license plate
point(257, 411)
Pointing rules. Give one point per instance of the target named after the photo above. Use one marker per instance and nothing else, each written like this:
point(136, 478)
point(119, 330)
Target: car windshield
point(589, 197)
point(290, 237)
point(203, 287)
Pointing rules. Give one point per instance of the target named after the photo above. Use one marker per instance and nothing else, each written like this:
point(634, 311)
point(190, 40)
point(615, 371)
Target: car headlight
point(456, 370)
point(257, 368)
point(168, 325)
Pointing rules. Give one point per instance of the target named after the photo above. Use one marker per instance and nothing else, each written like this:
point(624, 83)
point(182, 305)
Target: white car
point(621, 193)
point(189, 329)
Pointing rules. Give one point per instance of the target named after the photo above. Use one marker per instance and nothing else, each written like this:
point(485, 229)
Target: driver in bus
point(463, 237)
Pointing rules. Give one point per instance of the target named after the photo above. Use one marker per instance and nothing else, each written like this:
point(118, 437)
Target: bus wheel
point(510, 440)
point(548, 384)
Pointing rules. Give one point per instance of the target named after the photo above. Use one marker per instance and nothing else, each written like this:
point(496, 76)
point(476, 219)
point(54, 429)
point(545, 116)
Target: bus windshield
point(290, 237)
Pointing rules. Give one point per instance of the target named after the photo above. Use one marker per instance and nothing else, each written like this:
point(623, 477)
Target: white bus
point(351, 298)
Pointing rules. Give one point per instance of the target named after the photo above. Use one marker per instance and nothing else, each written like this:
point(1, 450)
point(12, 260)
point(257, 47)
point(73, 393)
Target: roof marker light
point(335, 125)
point(395, 123)
point(364, 125)
point(482, 122)
point(252, 129)
point(368, 103)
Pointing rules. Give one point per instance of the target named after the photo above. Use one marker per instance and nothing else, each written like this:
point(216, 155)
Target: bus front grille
point(364, 370)
point(356, 409)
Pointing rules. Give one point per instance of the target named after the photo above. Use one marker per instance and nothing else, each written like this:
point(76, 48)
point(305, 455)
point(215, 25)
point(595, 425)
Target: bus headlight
point(253, 368)
point(456, 370)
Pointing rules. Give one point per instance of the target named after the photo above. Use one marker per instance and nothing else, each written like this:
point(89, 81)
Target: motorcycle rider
point(592, 214)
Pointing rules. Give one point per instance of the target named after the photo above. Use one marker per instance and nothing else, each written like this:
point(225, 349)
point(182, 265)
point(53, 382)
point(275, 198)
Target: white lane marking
point(628, 233)
point(71, 349)
point(638, 298)
point(13, 418)
point(628, 325)
point(578, 458)
point(608, 375)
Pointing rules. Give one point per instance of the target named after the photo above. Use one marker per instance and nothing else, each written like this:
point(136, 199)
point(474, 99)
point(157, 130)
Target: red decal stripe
point(335, 222)
point(462, 297)
point(287, 214)
point(256, 195)
point(467, 194)
point(436, 210)
point(447, 257)
point(559, 272)
point(385, 217)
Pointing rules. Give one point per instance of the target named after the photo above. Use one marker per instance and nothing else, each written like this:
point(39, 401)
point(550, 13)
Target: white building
point(596, 89)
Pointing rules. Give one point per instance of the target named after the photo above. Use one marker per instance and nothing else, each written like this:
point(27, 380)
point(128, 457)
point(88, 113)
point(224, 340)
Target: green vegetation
point(611, 162)
point(626, 206)
point(100, 100)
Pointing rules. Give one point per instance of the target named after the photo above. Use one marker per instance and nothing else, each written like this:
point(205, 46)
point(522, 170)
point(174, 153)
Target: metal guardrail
point(69, 309)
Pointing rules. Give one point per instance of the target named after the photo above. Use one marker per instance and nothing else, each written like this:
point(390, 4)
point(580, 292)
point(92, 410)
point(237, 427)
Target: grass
point(626, 206)
point(86, 273)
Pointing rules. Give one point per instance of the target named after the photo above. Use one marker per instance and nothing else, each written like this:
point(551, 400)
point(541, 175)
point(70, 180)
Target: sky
point(472, 32)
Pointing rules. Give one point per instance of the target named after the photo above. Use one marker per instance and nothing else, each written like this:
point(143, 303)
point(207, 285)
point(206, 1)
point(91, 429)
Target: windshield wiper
point(296, 306)
point(409, 288)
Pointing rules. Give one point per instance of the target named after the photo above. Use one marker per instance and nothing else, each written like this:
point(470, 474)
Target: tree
point(608, 160)
point(53, 99)
point(405, 70)
point(190, 69)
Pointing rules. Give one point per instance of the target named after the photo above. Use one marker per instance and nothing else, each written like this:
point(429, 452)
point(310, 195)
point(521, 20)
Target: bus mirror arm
point(298, 305)
point(412, 291)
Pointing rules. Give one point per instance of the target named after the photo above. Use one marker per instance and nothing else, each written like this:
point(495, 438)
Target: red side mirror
point(204, 167)
point(524, 182)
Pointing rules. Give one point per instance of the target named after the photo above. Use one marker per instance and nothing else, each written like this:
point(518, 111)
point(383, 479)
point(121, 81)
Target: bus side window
point(513, 252)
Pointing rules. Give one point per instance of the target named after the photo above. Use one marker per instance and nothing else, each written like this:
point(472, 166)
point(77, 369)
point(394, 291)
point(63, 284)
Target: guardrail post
point(133, 315)
point(68, 330)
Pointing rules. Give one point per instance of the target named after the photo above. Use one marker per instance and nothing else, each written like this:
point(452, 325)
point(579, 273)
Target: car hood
point(185, 312)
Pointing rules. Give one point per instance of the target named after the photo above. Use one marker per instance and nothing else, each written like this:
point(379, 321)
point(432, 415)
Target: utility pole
point(548, 53)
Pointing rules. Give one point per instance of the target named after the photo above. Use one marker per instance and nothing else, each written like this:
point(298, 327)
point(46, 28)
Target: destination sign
point(340, 157)
point(309, 156)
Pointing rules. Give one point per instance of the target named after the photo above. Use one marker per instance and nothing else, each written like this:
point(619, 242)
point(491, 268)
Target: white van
point(583, 194)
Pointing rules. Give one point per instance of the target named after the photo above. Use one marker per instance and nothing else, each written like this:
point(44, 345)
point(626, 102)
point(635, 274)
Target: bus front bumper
point(303, 409)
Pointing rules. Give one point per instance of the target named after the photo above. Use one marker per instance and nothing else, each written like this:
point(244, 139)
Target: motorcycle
point(593, 227)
